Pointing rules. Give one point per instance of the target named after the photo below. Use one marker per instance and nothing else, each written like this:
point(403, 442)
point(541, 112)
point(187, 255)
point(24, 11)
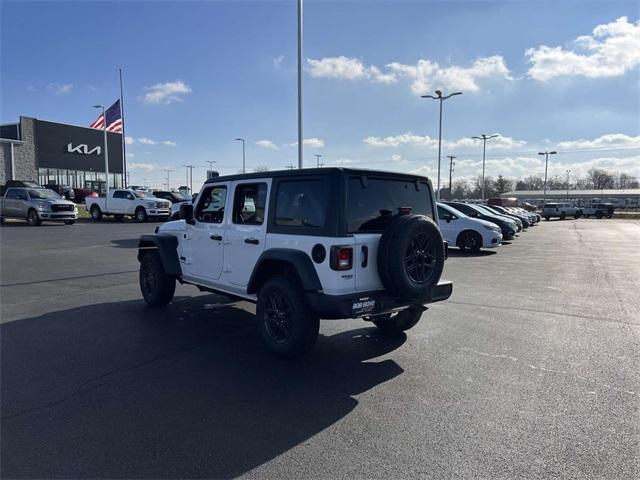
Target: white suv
point(303, 245)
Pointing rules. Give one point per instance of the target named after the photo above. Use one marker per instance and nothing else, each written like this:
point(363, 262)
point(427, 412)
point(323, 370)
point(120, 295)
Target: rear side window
point(249, 203)
point(371, 205)
point(550, 205)
point(301, 203)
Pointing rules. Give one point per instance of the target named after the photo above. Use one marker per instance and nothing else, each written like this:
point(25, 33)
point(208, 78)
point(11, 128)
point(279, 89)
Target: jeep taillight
point(341, 258)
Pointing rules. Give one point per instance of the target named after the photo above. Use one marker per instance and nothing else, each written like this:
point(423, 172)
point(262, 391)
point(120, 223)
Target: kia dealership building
point(56, 153)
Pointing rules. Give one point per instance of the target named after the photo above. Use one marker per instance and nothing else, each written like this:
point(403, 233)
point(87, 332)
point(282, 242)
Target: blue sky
point(543, 75)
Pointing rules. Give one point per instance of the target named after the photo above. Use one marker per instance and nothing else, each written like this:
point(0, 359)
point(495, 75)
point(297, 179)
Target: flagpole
point(124, 148)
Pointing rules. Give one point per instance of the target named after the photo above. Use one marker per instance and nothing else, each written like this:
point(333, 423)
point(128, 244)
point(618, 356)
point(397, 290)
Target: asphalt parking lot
point(531, 369)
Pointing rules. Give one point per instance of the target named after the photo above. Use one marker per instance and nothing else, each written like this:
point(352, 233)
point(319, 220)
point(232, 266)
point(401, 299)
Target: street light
point(546, 164)
point(240, 139)
point(568, 174)
point(106, 148)
point(211, 162)
point(484, 139)
point(318, 164)
point(442, 99)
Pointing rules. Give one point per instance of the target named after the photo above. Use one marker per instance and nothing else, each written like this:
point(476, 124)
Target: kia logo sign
point(83, 149)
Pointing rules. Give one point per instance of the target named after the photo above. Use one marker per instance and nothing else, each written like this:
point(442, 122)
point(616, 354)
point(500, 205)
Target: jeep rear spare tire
point(411, 257)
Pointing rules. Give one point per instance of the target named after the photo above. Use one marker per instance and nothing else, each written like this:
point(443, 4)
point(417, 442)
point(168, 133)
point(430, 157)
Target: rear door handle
point(252, 241)
point(215, 237)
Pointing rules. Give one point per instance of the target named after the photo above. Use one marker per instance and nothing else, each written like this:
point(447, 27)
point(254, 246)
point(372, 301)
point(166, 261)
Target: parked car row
point(471, 227)
point(564, 210)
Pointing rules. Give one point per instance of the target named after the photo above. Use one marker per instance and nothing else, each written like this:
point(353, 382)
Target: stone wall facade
point(25, 154)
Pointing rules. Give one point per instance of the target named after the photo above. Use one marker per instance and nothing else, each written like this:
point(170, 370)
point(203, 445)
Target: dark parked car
point(507, 226)
point(526, 220)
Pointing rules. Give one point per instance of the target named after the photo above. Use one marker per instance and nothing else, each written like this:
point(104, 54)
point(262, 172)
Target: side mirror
point(186, 213)
point(130, 197)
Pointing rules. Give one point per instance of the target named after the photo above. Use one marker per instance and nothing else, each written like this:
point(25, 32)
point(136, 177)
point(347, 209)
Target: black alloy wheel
point(420, 259)
point(469, 242)
point(278, 318)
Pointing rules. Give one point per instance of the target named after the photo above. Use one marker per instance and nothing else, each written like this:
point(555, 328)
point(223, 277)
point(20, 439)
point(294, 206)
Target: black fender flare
point(167, 248)
point(296, 259)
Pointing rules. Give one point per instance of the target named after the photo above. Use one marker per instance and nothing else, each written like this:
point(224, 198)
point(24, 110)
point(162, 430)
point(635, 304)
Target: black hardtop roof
point(315, 171)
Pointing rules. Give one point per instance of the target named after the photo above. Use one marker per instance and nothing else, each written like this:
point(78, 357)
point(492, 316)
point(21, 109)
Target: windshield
point(43, 194)
point(452, 210)
point(141, 194)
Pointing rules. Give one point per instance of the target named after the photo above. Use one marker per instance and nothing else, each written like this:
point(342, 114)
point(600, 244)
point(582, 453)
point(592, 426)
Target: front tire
point(156, 285)
point(469, 241)
point(563, 216)
point(394, 324)
point(547, 218)
point(288, 326)
point(33, 218)
point(141, 215)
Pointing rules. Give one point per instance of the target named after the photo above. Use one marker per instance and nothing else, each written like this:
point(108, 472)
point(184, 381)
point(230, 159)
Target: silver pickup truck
point(36, 205)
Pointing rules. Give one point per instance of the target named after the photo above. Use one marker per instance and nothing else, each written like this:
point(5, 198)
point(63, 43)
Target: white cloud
point(129, 140)
point(59, 88)
point(277, 61)
point(166, 92)
point(310, 142)
point(346, 68)
point(146, 141)
point(396, 158)
point(147, 167)
point(313, 142)
point(410, 139)
point(611, 50)
point(427, 76)
point(402, 139)
point(611, 140)
point(130, 155)
point(346, 161)
point(169, 143)
point(267, 144)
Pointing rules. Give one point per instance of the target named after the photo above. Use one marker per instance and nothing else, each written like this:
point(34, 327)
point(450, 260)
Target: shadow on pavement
point(459, 253)
point(122, 390)
point(126, 243)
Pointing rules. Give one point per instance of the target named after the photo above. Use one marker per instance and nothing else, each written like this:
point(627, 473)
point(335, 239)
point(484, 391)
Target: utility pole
point(240, 139)
point(300, 141)
point(451, 164)
point(211, 162)
point(441, 99)
point(568, 174)
point(318, 164)
point(546, 165)
point(168, 170)
point(484, 139)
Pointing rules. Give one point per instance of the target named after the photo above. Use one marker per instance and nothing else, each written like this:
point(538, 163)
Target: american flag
point(114, 119)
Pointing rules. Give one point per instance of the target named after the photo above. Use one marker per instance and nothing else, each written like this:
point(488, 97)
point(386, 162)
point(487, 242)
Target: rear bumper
point(369, 303)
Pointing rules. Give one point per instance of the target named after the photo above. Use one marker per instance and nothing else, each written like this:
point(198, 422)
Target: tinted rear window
point(550, 205)
point(301, 203)
point(371, 208)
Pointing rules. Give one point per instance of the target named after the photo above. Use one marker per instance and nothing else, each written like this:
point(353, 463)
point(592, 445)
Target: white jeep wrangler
point(303, 245)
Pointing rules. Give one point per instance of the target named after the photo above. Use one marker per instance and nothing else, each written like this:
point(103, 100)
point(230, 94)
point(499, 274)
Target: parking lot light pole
point(546, 165)
point(318, 164)
point(240, 139)
point(568, 175)
point(441, 98)
point(106, 149)
point(484, 139)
